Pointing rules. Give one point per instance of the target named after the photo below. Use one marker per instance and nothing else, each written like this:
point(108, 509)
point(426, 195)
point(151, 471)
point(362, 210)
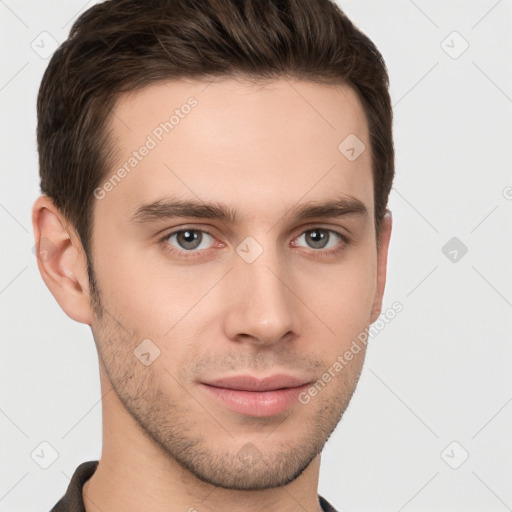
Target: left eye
point(189, 239)
point(319, 238)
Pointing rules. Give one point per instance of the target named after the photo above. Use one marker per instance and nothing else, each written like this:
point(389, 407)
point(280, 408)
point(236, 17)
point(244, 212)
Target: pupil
point(318, 236)
point(189, 239)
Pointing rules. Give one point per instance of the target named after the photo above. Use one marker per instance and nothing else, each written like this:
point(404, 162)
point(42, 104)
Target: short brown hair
point(121, 45)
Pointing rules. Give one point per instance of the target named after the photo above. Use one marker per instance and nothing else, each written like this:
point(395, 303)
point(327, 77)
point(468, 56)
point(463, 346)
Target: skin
point(261, 149)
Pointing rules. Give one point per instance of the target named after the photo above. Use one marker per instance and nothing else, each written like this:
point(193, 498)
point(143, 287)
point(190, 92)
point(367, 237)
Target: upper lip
point(252, 383)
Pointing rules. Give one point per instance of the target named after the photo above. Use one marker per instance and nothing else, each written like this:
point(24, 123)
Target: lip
point(254, 396)
point(252, 383)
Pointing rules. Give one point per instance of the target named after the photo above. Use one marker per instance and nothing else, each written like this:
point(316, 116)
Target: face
point(214, 324)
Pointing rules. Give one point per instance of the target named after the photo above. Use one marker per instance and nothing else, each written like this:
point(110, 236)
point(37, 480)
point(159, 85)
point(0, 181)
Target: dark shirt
point(72, 501)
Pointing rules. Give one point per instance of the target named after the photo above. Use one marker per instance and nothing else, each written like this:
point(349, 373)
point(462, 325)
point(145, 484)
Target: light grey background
point(438, 373)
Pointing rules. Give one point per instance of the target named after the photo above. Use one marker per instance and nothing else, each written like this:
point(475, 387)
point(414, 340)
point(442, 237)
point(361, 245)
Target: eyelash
point(193, 254)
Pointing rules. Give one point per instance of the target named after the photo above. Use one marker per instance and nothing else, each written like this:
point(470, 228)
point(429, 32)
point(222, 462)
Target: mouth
point(254, 396)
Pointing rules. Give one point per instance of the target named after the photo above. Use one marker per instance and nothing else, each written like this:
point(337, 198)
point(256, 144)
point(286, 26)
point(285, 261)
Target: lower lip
point(256, 403)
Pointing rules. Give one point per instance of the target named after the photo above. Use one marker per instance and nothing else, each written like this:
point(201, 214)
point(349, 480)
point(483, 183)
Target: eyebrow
point(171, 207)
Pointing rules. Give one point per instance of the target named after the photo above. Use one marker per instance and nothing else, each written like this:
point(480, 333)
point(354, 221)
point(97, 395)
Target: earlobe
point(61, 260)
point(382, 259)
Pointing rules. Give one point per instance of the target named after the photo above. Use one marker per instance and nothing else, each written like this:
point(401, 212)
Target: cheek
point(151, 297)
point(129, 291)
point(342, 294)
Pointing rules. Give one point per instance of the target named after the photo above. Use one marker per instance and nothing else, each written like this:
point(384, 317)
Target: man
point(215, 178)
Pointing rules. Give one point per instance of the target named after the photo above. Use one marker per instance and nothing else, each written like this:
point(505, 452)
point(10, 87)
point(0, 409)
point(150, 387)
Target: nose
point(262, 304)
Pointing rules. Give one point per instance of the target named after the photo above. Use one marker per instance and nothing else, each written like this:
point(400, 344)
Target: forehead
point(258, 146)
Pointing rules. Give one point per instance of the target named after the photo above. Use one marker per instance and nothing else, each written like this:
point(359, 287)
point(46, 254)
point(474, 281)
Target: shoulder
point(326, 506)
point(72, 500)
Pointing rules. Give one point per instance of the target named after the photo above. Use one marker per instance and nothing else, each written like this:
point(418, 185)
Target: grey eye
point(318, 238)
point(189, 239)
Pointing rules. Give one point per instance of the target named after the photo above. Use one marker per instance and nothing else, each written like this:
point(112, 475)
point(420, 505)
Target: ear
point(61, 260)
point(382, 261)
